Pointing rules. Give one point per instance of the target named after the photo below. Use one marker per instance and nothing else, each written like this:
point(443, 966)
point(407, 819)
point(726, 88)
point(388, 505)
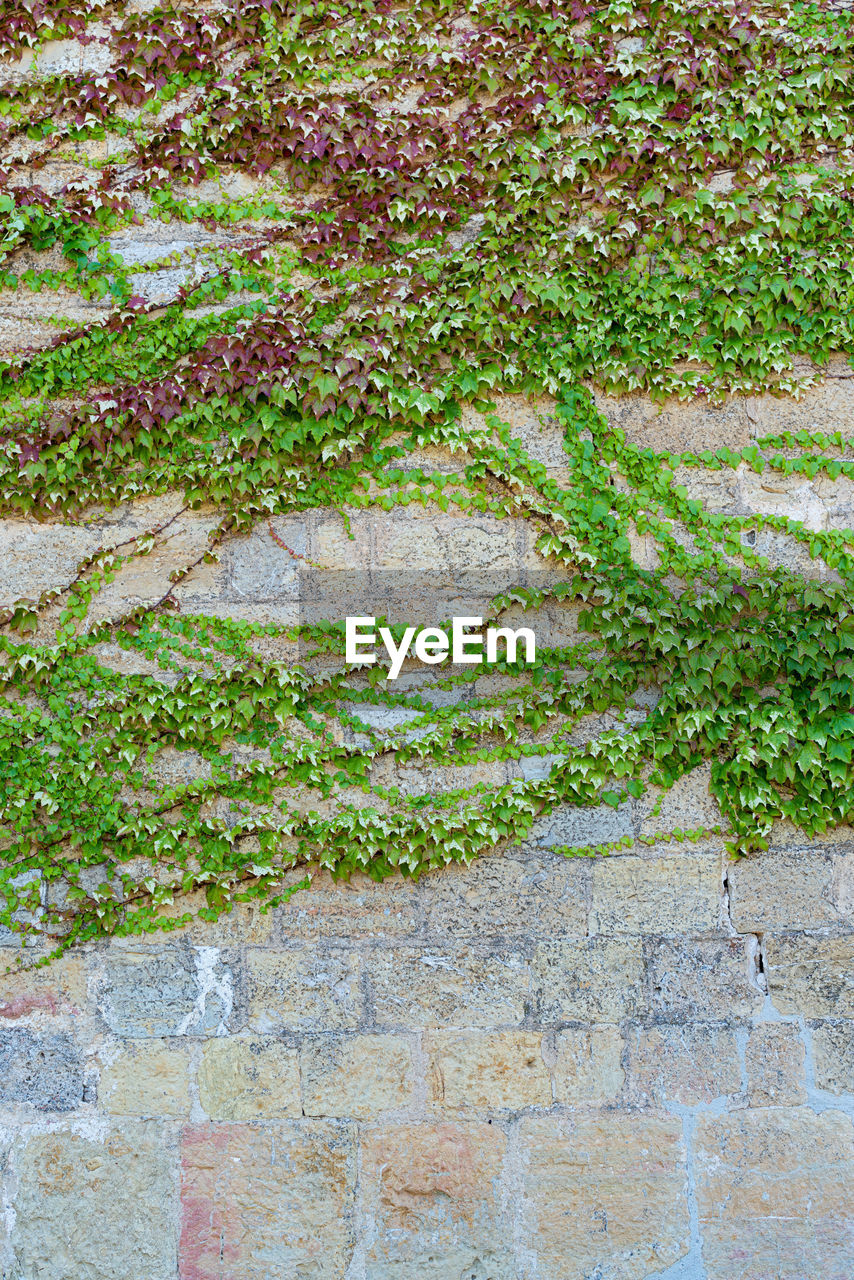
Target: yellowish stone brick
point(243, 1078)
point(490, 1071)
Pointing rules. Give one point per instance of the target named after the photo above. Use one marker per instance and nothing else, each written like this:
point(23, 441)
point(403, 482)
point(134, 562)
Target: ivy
point(437, 205)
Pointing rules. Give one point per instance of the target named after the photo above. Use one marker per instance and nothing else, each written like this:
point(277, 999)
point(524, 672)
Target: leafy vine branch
point(395, 216)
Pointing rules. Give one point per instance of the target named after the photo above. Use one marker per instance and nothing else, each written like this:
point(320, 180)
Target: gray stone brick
point(44, 1071)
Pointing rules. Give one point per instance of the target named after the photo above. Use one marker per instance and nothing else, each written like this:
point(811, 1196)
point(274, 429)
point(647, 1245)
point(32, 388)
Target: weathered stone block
point(263, 1202)
point(603, 1195)
point(492, 1071)
point(147, 1078)
point(688, 804)
point(96, 1209)
point(355, 1075)
point(36, 557)
point(785, 890)
point(243, 1078)
point(358, 907)
point(309, 988)
point(676, 426)
point(545, 896)
point(583, 825)
point(680, 894)
point(684, 1064)
point(773, 1192)
point(775, 1065)
point(594, 980)
point(587, 1066)
point(703, 979)
point(44, 1071)
point(432, 1193)
point(58, 988)
point(811, 975)
point(448, 986)
point(833, 1056)
point(175, 991)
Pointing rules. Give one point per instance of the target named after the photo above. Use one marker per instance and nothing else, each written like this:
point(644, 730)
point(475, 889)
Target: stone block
point(258, 1202)
point(37, 557)
point(487, 1070)
point(257, 569)
point(355, 1075)
point(592, 980)
point(448, 986)
point(332, 547)
point(774, 1193)
point(358, 907)
point(677, 426)
point(702, 980)
point(784, 890)
point(171, 992)
point(775, 1066)
point(87, 1208)
point(43, 1071)
point(685, 1064)
point(432, 1194)
point(604, 1195)
point(582, 825)
point(246, 1078)
point(308, 988)
point(688, 804)
point(811, 975)
point(587, 1064)
point(500, 894)
point(678, 894)
point(447, 545)
point(147, 1078)
point(55, 989)
point(833, 1056)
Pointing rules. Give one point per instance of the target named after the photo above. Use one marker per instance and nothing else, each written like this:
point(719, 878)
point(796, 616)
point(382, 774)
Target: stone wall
point(536, 1068)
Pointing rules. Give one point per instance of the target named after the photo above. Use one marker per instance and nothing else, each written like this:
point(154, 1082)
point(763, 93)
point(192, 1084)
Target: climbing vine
point(401, 213)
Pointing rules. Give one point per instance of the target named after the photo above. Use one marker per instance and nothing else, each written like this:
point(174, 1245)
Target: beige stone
point(448, 986)
point(605, 1192)
point(353, 908)
point(688, 804)
point(308, 988)
point(487, 1070)
point(676, 426)
point(587, 1065)
point(594, 980)
point(811, 975)
point(783, 890)
point(355, 1075)
point(263, 1201)
point(55, 989)
point(680, 894)
point(147, 1078)
point(703, 979)
point(685, 1064)
point(432, 1194)
point(833, 1056)
point(89, 1207)
point(501, 895)
point(774, 1193)
point(775, 1065)
point(247, 1078)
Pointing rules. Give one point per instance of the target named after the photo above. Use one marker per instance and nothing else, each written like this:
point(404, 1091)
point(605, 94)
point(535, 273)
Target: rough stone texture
point(774, 1194)
point(44, 1072)
point(475, 1070)
point(147, 1078)
point(247, 1078)
point(432, 1191)
point(658, 896)
point(775, 1066)
point(812, 976)
point(690, 1065)
point(95, 1208)
point(833, 1049)
point(262, 1202)
point(359, 1076)
point(604, 1193)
